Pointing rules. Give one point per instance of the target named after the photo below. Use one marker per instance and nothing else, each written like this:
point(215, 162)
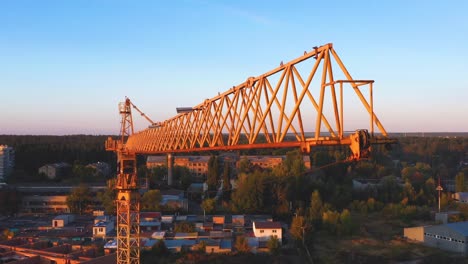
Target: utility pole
point(439, 189)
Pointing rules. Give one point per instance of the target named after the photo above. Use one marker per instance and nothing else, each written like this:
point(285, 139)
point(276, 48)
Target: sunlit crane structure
point(273, 110)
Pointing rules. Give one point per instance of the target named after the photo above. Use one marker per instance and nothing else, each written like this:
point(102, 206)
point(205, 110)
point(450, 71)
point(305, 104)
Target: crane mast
point(128, 197)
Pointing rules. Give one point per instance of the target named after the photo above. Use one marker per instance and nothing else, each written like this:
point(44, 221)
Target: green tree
point(182, 176)
point(241, 244)
point(156, 174)
point(460, 185)
point(80, 199)
point(107, 199)
point(212, 174)
point(347, 225)
point(273, 245)
point(227, 181)
point(159, 249)
point(151, 200)
point(248, 197)
point(209, 205)
point(245, 166)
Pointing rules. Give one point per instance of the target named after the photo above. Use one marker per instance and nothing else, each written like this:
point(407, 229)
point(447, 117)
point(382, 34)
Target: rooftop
point(267, 225)
point(460, 227)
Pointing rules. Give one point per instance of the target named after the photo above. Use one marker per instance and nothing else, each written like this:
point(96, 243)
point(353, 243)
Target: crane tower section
point(128, 198)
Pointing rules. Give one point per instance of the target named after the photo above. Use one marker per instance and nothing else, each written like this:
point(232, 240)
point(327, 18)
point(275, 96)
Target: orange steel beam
point(270, 107)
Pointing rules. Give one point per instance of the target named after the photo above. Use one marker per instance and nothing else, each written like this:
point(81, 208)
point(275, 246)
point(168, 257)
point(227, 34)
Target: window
point(274, 231)
point(100, 229)
point(261, 231)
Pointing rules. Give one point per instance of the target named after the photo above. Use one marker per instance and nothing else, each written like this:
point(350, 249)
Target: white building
point(264, 230)
point(62, 220)
point(7, 161)
point(102, 228)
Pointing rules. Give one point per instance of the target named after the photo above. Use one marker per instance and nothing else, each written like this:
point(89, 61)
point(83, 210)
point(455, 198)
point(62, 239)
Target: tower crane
point(271, 110)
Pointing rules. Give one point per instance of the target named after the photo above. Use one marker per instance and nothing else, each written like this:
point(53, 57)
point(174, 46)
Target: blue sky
point(64, 65)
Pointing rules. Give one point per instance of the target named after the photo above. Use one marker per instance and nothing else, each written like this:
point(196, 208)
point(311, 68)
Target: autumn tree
point(242, 245)
point(184, 227)
point(316, 208)
point(297, 228)
point(209, 205)
point(330, 219)
point(460, 185)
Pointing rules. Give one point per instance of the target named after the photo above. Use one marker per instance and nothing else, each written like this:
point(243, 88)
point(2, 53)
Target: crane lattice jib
point(268, 111)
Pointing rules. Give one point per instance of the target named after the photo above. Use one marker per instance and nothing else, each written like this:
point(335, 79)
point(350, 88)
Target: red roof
point(267, 225)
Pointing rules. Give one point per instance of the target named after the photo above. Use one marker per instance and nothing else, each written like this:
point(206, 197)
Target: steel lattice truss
point(262, 113)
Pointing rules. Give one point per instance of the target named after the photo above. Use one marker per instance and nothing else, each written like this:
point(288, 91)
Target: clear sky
point(64, 65)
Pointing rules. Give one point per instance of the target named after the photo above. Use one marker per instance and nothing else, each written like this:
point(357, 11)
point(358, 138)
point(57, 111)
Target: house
point(218, 245)
point(102, 228)
point(264, 230)
point(55, 170)
point(167, 219)
point(218, 219)
point(62, 220)
point(150, 221)
point(238, 220)
point(450, 237)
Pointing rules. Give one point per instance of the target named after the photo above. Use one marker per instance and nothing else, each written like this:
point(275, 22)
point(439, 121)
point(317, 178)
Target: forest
point(32, 152)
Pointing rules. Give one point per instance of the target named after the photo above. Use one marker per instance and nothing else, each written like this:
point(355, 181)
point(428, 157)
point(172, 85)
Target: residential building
point(198, 165)
point(44, 204)
point(102, 168)
point(461, 197)
point(103, 228)
point(7, 161)
point(264, 230)
point(43, 199)
point(150, 221)
point(55, 170)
